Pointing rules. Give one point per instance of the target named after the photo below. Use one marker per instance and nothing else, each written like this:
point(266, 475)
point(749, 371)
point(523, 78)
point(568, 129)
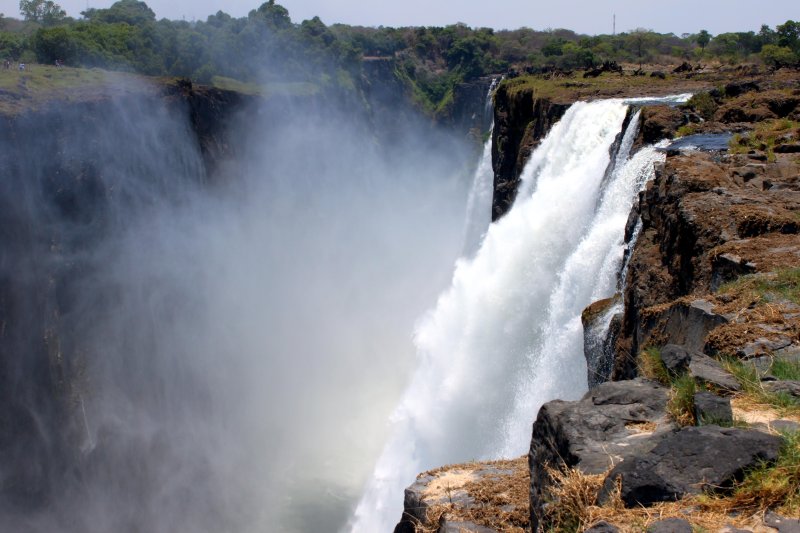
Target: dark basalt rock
point(685, 324)
point(712, 409)
point(670, 525)
point(675, 358)
point(690, 461)
point(711, 371)
point(592, 434)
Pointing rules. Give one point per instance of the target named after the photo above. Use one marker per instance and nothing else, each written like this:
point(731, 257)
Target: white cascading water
point(479, 201)
point(506, 336)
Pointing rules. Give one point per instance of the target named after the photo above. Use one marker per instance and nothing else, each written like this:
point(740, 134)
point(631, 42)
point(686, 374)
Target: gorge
point(208, 299)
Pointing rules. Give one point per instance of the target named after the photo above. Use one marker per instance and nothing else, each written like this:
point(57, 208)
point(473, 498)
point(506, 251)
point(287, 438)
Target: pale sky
point(583, 16)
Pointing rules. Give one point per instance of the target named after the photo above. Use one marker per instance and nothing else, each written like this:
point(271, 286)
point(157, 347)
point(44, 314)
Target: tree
point(777, 56)
point(703, 38)
point(45, 12)
point(789, 35)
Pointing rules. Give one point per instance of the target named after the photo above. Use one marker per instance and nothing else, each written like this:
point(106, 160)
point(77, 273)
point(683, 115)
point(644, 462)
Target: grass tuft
point(652, 367)
point(786, 370)
point(681, 404)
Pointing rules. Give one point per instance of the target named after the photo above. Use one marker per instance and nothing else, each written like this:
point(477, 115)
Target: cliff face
point(67, 182)
point(521, 121)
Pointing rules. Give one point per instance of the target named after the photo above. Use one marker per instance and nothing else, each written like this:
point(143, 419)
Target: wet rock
point(670, 525)
point(711, 371)
point(690, 461)
point(712, 409)
point(601, 324)
point(613, 421)
point(521, 121)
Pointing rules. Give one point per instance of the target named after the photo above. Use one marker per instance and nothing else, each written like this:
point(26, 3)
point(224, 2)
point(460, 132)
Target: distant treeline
point(266, 45)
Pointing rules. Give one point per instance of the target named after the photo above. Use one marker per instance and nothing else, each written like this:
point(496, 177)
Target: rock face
point(613, 421)
point(706, 219)
point(688, 462)
point(521, 121)
point(659, 122)
point(64, 167)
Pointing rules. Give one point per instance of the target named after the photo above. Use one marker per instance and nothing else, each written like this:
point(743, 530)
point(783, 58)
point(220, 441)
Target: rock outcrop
point(690, 461)
point(521, 121)
point(614, 421)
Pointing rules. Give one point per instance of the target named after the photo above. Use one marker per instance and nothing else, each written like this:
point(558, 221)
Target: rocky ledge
point(693, 419)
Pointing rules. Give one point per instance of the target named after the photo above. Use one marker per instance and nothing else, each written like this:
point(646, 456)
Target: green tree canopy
point(45, 12)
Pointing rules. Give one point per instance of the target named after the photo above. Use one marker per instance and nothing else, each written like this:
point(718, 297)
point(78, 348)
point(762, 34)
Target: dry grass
point(761, 306)
point(500, 500)
point(777, 487)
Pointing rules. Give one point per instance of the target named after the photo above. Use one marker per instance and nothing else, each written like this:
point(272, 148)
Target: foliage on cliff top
point(28, 89)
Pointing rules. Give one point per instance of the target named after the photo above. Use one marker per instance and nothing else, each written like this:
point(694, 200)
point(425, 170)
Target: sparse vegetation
point(704, 104)
point(652, 367)
point(760, 288)
point(682, 387)
point(767, 135)
point(681, 403)
point(746, 373)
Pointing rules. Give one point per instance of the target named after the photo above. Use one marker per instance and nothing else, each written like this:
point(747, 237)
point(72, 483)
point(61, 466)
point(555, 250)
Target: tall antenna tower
point(614, 26)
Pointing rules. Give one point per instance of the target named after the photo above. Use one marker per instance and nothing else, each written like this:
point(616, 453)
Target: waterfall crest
point(506, 336)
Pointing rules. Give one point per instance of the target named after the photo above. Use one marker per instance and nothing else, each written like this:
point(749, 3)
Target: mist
point(230, 344)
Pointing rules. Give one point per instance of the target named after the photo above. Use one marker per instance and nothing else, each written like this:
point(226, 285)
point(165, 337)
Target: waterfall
point(479, 202)
point(506, 336)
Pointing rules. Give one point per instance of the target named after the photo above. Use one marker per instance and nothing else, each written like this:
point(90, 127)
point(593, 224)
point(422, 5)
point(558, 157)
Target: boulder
point(675, 358)
point(613, 421)
point(682, 323)
point(690, 461)
point(670, 525)
point(711, 371)
point(735, 89)
point(710, 409)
